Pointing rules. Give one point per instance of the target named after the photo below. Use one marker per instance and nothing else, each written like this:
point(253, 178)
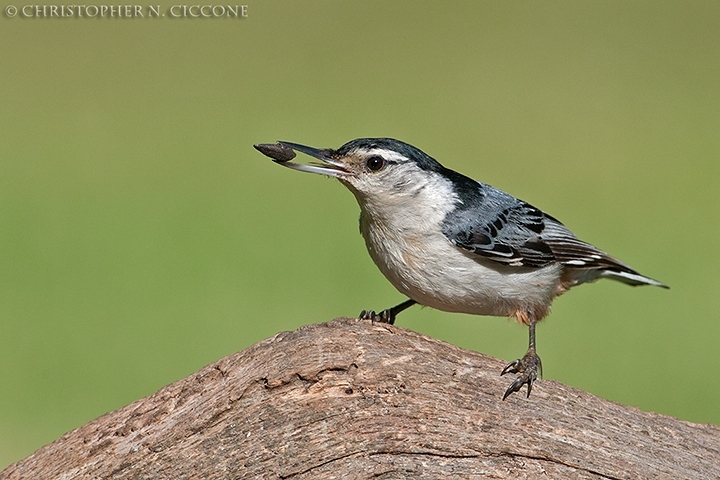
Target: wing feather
point(493, 224)
point(498, 226)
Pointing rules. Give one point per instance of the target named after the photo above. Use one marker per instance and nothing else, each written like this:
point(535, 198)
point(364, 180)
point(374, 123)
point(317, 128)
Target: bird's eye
point(375, 163)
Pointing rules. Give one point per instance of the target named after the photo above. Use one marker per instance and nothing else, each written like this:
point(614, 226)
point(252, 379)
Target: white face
point(395, 194)
point(382, 172)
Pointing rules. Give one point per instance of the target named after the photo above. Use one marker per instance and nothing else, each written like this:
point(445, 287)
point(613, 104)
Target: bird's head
point(382, 169)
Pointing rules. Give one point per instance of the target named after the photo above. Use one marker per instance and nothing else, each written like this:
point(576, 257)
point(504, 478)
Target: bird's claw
point(386, 316)
point(528, 367)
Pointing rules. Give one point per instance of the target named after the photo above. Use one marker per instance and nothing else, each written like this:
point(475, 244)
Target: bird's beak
point(282, 152)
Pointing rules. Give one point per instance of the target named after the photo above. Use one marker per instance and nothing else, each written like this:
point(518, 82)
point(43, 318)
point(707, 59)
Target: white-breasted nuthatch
point(449, 242)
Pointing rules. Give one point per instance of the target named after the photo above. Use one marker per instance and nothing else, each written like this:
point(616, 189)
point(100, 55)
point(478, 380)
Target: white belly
point(432, 271)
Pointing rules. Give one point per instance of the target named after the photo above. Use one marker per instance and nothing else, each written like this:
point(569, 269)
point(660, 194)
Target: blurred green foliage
point(141, 236)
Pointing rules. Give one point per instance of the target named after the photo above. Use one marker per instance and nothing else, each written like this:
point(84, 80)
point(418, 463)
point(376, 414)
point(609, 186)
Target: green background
point(142, 237)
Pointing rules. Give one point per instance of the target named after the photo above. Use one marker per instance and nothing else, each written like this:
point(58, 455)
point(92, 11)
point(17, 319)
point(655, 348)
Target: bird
point(455, 244)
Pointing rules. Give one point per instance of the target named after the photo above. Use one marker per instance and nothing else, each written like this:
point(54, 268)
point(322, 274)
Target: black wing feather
point(498, 226)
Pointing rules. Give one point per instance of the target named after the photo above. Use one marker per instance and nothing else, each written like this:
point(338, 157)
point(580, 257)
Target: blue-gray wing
point(498, 226)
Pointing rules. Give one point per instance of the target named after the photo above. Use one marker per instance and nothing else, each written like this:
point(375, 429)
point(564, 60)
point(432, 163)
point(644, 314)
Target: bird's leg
point(386, 316)
point(528, 367)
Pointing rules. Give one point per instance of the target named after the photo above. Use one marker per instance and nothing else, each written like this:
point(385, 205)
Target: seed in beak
point(277, 151)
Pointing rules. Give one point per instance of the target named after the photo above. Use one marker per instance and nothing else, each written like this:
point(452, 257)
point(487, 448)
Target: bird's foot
point(386, 316)
point(528, 367)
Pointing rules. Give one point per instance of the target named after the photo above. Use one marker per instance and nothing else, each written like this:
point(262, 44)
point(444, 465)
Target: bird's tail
point(629, 277)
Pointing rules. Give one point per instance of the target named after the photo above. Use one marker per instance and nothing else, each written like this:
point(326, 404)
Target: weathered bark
point(351, 399)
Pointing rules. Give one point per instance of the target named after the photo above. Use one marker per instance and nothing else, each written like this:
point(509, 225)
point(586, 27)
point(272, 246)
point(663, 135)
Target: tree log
point(352, 399)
